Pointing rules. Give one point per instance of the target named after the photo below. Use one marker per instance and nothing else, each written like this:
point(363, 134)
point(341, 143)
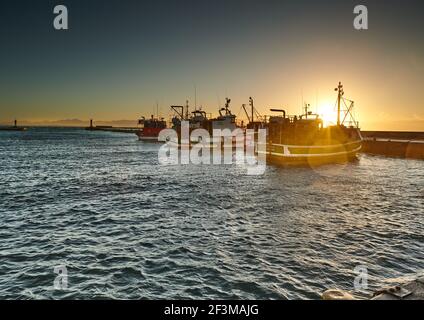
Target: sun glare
point(328, 113)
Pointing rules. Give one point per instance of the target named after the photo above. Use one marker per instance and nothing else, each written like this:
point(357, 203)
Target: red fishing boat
point(150, 128)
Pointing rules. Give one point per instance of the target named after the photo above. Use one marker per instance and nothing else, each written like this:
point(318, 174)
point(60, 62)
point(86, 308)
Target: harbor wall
point(113, 129)
point(408, 145)
point(402, 135)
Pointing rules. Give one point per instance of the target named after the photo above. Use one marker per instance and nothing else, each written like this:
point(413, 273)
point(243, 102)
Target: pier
point(399, 144)
point(112, 129)
point(13, 128)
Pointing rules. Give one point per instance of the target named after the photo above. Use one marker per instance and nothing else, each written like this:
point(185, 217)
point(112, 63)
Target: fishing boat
point(150, 128)
point(198, 119)
point(303, 140)
point(225, 120)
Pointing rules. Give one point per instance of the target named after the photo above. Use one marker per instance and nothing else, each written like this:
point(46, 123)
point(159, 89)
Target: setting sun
point(327, 112)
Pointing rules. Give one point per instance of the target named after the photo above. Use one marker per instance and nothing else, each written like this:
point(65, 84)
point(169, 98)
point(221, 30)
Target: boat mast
point(307, 105)
point(251, 106)
point(227, 104)
point(186, 113)
point(245, 111)
point(195, 98)
point(340, 93)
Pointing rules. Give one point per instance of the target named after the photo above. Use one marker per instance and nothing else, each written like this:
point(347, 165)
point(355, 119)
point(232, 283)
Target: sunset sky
point(121, 57)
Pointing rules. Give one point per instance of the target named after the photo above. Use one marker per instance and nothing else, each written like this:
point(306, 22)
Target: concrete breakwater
point(13, 128)
point(399, 135)
point(113, 129)
point(394, 144)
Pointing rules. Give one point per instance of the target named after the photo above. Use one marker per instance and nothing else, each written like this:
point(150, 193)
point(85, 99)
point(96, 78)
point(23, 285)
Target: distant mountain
point(69, 122)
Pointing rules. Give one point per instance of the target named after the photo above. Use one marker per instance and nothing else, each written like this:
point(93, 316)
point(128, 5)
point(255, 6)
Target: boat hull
point(148, 139)
point(312, 155)
point(149, 134)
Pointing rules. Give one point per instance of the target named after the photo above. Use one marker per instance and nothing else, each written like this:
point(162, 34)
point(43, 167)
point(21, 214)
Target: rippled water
point(126, 227)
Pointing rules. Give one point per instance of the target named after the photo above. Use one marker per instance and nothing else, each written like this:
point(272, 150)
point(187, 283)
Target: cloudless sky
point(119, 58)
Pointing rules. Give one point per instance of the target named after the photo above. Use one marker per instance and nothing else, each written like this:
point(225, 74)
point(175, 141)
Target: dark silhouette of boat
point(198, 119)
point(303, 140)
point(290, 140)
